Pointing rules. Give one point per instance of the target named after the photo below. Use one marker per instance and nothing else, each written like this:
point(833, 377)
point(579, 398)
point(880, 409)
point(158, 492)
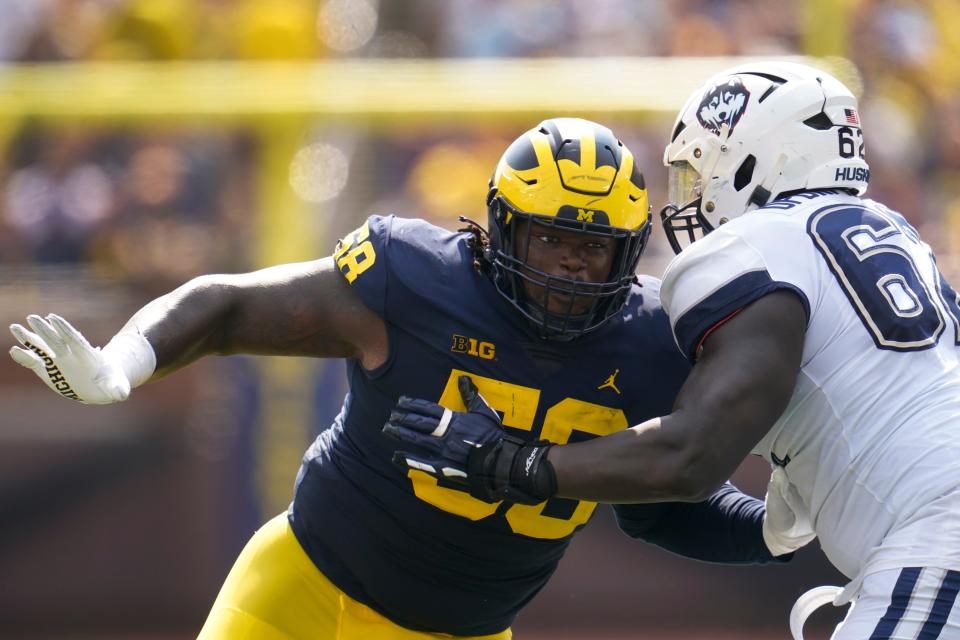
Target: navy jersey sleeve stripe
point(942, 605)
point(899, 600)
point(736, 294)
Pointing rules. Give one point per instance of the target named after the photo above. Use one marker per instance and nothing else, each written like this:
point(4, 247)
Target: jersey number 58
point(518, 405)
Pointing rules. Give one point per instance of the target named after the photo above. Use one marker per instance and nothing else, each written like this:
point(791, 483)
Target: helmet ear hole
point(745, 173)
point(820, 122)
point(676, 132)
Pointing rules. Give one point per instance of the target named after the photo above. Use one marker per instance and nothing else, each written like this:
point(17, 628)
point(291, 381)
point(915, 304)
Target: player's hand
point(470, 449)
point(67, 363)
point(440, 440)
point(786, 525)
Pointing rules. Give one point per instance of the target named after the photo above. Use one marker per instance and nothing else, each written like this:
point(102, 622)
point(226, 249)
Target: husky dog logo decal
point(723, 103)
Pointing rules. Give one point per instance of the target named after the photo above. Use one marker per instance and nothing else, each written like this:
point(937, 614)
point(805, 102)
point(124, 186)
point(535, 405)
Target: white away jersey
point(871, 437)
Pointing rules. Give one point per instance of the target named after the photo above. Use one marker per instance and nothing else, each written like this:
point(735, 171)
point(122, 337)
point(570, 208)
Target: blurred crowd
point(157, 205)
point(78, 30)
point(130, 204)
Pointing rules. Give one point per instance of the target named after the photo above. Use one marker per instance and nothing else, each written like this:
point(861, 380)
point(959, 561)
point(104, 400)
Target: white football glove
point(68, 364)
point(786, 526)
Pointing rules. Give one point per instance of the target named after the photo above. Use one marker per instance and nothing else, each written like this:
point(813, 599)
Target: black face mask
point(684, 225)
point(511, 270)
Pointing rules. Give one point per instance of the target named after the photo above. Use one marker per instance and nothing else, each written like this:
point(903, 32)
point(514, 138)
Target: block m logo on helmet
point(583, 214)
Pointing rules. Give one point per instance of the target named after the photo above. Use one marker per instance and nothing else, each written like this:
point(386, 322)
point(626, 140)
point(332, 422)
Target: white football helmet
point(754, 133)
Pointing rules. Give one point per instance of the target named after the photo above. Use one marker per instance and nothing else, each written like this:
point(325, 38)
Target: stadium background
point(143, 142)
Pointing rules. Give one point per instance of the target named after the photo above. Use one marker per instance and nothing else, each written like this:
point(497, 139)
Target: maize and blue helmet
point(574, 175)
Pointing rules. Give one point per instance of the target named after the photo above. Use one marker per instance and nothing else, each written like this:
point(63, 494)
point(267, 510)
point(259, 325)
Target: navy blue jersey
point(427, 556)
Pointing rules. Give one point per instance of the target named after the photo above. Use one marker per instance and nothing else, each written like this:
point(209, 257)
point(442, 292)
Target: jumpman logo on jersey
point(611, 382)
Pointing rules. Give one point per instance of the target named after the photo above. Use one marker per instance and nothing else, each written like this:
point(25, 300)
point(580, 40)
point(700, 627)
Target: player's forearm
point(682, 457)
point(650, 462)
point(186, 323)
point(297, 309)
point(741, 384)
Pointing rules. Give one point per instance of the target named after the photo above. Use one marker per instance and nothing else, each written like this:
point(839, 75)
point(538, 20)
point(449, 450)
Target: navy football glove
point(471, 450)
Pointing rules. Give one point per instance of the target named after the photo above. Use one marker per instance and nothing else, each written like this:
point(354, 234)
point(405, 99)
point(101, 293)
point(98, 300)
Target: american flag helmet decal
point(851, 116)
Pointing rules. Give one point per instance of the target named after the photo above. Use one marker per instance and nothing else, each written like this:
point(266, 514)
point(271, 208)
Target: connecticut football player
point(545, 318)
point(825, 340)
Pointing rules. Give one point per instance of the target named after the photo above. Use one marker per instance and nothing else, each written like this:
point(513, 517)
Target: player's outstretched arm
point(304, 309)
point(301, 309)
point(740, 385)
point(738, 388)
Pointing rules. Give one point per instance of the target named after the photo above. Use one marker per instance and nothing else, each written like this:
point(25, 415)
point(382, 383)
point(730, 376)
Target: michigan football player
point(547, 319)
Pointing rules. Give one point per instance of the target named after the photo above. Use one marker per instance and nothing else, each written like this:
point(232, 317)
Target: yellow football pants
point(274, 592)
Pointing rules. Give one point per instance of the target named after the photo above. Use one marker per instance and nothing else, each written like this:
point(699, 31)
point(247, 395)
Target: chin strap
point(764, 191)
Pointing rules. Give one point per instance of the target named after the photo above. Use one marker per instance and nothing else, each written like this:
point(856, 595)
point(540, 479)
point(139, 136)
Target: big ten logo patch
point(473, 347)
